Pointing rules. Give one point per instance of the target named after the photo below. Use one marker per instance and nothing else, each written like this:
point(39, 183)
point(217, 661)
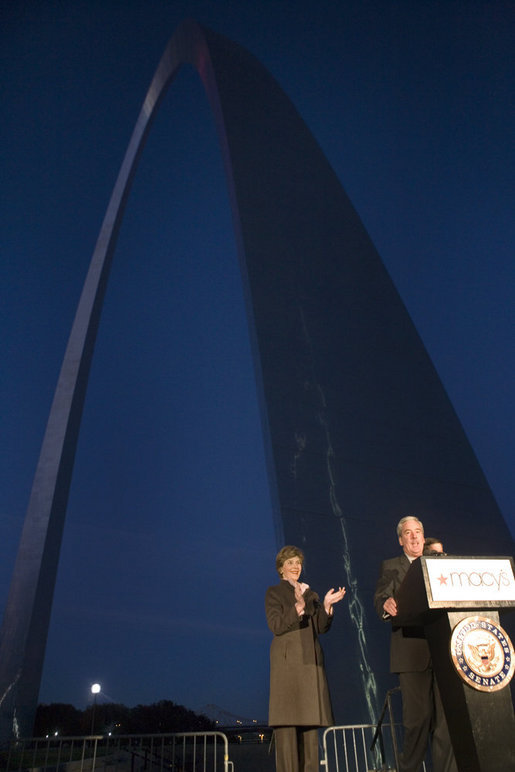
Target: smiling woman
point(299, 693)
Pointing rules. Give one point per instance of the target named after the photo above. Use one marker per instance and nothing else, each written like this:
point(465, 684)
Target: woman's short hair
point(287, 552)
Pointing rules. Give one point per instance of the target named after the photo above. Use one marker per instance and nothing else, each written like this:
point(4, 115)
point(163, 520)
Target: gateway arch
point(357, 428)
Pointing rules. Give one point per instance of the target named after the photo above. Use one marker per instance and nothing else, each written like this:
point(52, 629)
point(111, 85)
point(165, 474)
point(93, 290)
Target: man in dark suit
point(422, 710)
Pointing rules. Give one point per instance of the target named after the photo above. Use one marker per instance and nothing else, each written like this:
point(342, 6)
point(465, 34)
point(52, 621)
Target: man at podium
point(422, 710)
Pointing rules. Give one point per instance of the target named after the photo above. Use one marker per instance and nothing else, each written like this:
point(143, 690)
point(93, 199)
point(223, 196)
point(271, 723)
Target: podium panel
point(457, 600)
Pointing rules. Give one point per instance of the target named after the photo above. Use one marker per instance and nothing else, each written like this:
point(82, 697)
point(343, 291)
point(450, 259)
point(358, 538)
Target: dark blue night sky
point(169, 542)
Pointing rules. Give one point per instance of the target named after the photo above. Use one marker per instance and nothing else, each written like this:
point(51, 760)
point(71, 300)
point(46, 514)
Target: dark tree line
point(160, 717)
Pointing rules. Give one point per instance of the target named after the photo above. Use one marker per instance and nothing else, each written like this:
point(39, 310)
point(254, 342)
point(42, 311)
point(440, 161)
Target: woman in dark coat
point(299, 694)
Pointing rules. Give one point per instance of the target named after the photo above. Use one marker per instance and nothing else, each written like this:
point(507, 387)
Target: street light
point(95, 689)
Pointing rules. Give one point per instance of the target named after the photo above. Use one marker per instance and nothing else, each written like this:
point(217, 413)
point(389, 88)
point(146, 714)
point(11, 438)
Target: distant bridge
point(231, 720)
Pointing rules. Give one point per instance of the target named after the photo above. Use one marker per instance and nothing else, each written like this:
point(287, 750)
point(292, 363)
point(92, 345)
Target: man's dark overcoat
point(409, 650)
point(410, 655)
point(299, 694)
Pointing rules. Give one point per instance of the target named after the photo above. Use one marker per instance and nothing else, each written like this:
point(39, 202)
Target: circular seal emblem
point(482, 653)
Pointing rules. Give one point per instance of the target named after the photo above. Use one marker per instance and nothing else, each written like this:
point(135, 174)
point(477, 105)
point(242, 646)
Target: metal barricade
point(361, 748)
point(175, 752)
point(351, 748)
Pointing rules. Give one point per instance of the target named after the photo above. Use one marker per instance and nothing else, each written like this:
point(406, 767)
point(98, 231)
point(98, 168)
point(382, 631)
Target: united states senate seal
point(482, 653)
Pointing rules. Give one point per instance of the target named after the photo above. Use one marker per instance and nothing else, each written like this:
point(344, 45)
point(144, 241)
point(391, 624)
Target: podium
point(457, 600)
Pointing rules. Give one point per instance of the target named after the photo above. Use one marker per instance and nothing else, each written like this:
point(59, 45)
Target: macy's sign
point(475, 580)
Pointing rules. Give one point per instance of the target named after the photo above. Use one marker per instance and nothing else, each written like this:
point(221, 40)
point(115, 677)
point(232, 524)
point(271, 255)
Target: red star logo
point(443, 579)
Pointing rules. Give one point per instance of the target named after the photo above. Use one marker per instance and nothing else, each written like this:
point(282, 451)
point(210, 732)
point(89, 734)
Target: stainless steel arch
point(27, 615)
point(357, 427)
